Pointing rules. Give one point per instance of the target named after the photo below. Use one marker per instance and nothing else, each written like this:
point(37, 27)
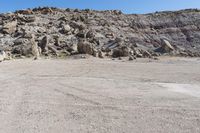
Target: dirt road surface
point(100, 96)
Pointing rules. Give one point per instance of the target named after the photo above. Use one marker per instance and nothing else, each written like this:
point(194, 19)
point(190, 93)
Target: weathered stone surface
point(144, 35)
point(167, 47)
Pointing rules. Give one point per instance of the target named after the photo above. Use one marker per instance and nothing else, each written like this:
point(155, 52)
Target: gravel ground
point(100, 96)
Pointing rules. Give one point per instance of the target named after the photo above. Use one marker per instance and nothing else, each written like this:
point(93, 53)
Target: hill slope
point(64, 32)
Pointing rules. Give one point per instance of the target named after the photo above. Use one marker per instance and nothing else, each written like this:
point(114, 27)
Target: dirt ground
point(100, 96)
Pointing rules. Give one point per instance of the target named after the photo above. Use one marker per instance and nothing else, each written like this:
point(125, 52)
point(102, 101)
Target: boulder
point(22, 50)
point(82, 34)
point(53, 50)
point(110, 35)
point(122, 51)
point(146, 53)
point(138, 53)
point(85, 47)
point(100, 54)
point(9, 27)
point(166, 47)
point(25, 12)
point(66, 29)
point(28, 19)
point(21, 47)
point(78, 25)
point(131, 58)
point(35, 48)
point(90, 34)
point(65, 19)
point(20, 41)
point(44, 43)
point(2, 56)
point(57, 41)
point(72, 48)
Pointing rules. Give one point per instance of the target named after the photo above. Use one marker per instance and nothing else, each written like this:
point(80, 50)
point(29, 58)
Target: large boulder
point(122, 51)
point(21, 47)
point(22, 50)
point(85, 47)
point(9, 27)
point(166, 47)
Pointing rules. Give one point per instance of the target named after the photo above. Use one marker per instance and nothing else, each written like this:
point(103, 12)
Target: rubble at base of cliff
point(103, 34)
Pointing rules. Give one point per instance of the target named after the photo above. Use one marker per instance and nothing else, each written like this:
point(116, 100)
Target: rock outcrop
point(106, 33)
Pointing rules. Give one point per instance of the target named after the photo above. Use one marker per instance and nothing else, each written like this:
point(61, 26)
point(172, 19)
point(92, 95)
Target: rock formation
point(113, 33)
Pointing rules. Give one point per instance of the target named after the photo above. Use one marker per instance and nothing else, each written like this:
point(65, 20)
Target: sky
point(127, 6)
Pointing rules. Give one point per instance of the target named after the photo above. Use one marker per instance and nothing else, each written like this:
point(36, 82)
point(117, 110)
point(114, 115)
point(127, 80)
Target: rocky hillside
point(65, 32)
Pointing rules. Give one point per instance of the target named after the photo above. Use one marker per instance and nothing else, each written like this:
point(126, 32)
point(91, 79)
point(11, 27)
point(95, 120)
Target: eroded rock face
point(113, 33)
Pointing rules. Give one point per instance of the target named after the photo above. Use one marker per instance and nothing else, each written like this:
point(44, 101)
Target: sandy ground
point(100, 96)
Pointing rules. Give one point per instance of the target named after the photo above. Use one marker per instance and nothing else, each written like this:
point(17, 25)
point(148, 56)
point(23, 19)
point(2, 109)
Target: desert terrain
point(100, 96)
point(89, 71)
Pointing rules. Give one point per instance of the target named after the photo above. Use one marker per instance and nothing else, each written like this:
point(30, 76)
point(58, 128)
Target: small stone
point(131, 58)
point(66, 28)
point(146, 54)
point(119, 58)
point(155, 58)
